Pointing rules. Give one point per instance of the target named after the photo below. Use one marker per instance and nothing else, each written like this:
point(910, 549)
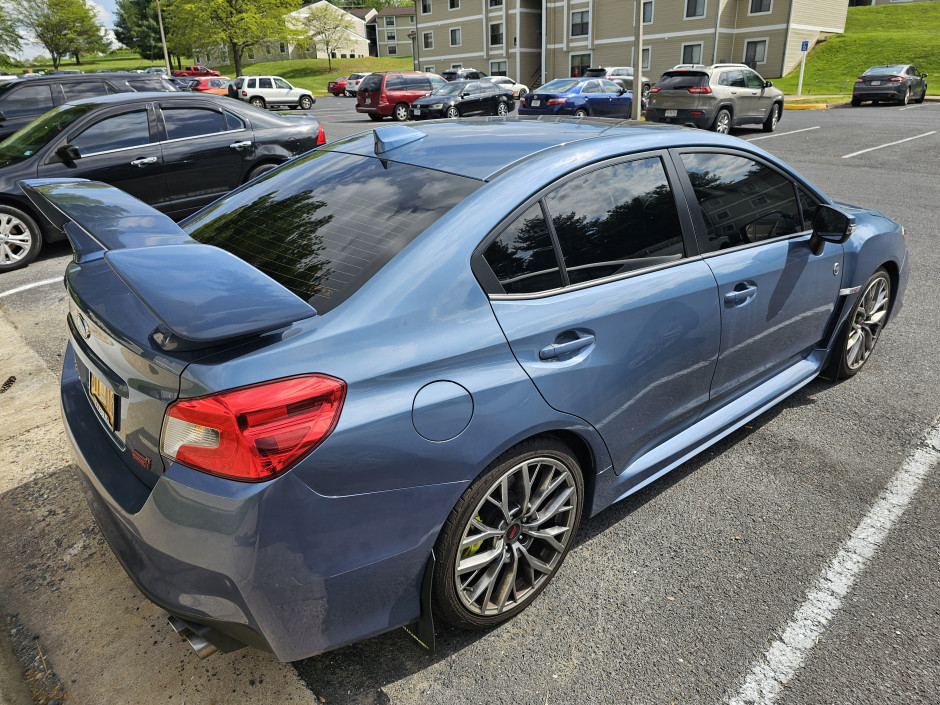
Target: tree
point(235, 24)
point(135, 26)
point(62, 26)
point(329, 28)
point(9, 37)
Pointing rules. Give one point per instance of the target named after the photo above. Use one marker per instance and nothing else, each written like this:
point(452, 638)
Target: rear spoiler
point(201, 295)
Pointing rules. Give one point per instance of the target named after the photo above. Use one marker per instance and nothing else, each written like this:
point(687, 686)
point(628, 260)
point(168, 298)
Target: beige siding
point(825, 16)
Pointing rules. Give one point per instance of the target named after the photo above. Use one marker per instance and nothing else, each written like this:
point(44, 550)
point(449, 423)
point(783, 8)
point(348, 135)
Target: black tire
point(722, 123)
point(375, 118)
point(523, 91)
point(258, 102)
point(922, 96)
point(502, 109)
point(770, 124)
point(20, 238)
point(863, 327)
point(581, 112)
point(645, 95)
point(906, 98)
point(306, 102)
point(400, 113)
point(257, 171)
point(506, 561)
point(452, 112)
point(347, 94)
point(856, 102)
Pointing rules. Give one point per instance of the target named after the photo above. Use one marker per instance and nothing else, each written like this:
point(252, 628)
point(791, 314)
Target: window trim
point(494, 290)
point(750, 4)
point(430, 7)
point(499, 61)
point(459, 36)
point(502, 34)
point(652, 4)
point(649, 53)
point(453, 5)
point(571, 23)
point(701, 46)
point(153, 127)
point(685, 10)
point(429, 34)
point(766, 41)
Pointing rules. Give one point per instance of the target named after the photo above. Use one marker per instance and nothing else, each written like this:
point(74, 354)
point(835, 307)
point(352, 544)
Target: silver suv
point(264, 91)
point(716, 97)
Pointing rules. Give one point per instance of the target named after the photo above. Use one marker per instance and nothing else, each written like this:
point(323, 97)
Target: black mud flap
point(422, 631)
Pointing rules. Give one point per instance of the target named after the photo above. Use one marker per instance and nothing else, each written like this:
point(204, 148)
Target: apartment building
point(393, 29)
point(538, 40)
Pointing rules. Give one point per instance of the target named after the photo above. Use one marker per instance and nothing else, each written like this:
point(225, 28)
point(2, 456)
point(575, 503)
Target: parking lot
point(735, 574)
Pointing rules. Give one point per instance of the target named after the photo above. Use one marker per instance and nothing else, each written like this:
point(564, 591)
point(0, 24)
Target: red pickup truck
point(196, 71)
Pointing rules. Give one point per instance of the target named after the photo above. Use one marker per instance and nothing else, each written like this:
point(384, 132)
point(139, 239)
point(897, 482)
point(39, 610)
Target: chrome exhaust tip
point(202, 646)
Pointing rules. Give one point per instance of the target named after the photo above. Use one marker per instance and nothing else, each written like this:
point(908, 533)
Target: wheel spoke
point(536, 564)
point(479, 560)
point(486, 532)
point(558, 504)
point(508, 583)
point(549, 536)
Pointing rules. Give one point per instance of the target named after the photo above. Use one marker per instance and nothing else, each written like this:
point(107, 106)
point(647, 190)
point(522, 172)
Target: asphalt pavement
point(683, 593)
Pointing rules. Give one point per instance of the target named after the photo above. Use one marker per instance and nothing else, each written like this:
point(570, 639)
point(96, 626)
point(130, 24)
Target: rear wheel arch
point(27, 208)
point(259, 168)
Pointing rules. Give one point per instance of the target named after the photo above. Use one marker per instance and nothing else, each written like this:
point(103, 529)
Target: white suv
point(269, 91)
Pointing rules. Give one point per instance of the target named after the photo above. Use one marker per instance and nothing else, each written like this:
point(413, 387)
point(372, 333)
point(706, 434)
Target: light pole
point(166, 55)
point(637, 106)
point(415, 58)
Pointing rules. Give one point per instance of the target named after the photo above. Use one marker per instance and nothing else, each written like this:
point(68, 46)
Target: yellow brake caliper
point(471, 550)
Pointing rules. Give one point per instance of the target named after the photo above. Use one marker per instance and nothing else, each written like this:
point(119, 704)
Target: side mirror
point(68, 152)
point(923, 75)
point(465, 94)
point(767, 84)
point(830, 225)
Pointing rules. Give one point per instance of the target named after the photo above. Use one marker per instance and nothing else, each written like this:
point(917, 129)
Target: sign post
point(804, 47)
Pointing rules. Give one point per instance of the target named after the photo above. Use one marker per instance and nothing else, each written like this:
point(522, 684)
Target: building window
point(428, 40)
point(496, 3)
point(456, 67)
point(411, 19)
point(755, 52)
point(455, 37)
point(499, 68)
point(430, 69)
point(648, 12)
point(283, 48)
point(425, 7)
point(389, 21)
point(692, 53)
point(496, 34)
point(453, 4)
point(392, 49)
point(580, 22)
point(694, 8)
point(646, 58)
point(760, 6)
point(580, 63)
point(390, 36)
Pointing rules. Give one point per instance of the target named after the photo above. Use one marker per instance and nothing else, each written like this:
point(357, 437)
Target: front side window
point(616, 219)
point(116, 132)
point(192, 122)
point(496, 34)
point(281, 83)
point(742, 201)
point(26, 100)
point(580, 23)
point(455, 37)
point(692, 53)
point(523, 257)
point(758, 6)
point(694, 8)
point(753, 80)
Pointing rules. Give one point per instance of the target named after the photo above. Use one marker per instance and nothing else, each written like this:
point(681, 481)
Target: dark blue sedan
point(390, 378)
point(581, 97)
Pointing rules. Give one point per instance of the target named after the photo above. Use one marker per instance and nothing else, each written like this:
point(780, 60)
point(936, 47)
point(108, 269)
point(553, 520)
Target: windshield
point(884, 70)
point(450, 89)
point(559, 85)
point(21, 145)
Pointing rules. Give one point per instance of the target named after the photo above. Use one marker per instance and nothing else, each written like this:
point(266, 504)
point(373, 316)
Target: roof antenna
point(388, 138)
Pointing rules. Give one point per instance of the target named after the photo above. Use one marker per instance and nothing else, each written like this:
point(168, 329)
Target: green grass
point(119, 61)
point(886, 34)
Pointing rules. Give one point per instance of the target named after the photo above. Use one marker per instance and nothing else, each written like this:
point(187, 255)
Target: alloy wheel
point(16, 239)
point(502, 110)
point(723, 122)
point(452, 112)
point(868, 319)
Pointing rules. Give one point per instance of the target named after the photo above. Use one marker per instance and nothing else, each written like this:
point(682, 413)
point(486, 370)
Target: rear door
point(757, 100)
point(602, 305)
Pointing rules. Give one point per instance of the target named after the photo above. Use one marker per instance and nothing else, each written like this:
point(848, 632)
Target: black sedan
point(898, 83)
point(176, 152)
point(464, 99)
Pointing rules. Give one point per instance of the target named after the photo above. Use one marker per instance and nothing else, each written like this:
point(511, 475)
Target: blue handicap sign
point(805, 46)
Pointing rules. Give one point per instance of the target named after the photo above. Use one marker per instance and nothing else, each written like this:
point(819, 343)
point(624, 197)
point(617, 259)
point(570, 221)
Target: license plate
point(368, 101)
point(876, 83)
point(536, 103)
point(417, 111)
point(104, 397)
point(671, 113)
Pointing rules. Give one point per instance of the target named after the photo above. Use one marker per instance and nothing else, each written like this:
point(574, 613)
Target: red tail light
point(253, 433)
point(896, 79)
point(700, 89)
point(655, 89)
point(245, 93)
point(383, 99)
point(555, 101)
point(860, 80)
point(321, 137)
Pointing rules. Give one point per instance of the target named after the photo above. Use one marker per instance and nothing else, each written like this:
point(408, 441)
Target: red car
point(391, 93)
point(209, 84)
point(338, 86)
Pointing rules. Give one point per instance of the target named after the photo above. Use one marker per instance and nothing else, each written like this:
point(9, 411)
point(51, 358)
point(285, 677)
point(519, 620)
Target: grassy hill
point(886, 34)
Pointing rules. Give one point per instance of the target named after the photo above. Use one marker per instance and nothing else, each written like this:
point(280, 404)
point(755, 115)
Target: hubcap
point(867, 322)
point(517, 536)
point(15, 239)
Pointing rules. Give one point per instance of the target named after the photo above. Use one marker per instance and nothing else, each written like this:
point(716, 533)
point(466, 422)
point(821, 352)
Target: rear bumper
point(879, 93)
point(273, 565)
point(380, 109)
point(682, 117)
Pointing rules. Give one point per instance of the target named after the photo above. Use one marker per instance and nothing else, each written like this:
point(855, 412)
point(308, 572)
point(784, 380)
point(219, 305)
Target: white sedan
point(505, 82)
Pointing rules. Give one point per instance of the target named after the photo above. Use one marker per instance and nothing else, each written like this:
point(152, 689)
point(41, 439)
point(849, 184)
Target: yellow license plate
point(103, 395)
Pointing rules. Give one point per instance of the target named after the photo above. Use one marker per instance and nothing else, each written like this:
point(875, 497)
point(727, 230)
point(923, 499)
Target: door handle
point(240, 145)
point(144, 161)
point(741, 294)
point(554, 350)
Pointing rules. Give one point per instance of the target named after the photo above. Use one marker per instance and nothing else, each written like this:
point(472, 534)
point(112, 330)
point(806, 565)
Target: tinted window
point(152, 83)
point(395, 83)
point(742, 201)
point(192, 122)
point(250, 83)
point(84, 89)
point(682, 80)
point(808, 205)
point(372, 82)
point(233, 122)
point(417, 83)
point(616, 219)
point(116, 132)
point(264, 83)
point(591, 87)
point(325, 225)
point(27, 100)
point(753, 80)
point(523, 258)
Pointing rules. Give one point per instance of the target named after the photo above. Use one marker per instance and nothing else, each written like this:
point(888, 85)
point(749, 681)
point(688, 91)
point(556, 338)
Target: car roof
point(497, 145)
point(143, 96)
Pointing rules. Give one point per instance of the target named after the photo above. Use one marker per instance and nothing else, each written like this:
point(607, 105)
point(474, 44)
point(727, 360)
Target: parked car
point(24, 100)
point(195, 71)
point(895, 82)
point(160, 70)
point(622, 75)
point(462, 74)
point(210, 84)
point(435, 350)
point(272, 91)
point(581, 97)
point(337, 86)
point(716, 97)
point(518, 89)
point(464, 99)
point(352, 83)
point(391, 93)
point(142, 143)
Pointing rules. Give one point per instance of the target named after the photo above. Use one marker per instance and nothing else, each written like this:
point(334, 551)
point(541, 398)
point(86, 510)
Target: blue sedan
point(581, 97)
point(383, 383)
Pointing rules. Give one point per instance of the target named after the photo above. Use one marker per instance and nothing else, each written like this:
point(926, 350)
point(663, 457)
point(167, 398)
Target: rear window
point(682, 80)
point(323, 226)
point(372, 82)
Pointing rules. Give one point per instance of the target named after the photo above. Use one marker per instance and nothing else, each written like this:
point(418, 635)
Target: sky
point(105, 10)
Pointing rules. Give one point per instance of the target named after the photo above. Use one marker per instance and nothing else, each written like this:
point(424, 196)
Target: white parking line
point(785, 657)
point(781, 134)
point(26, 287)
point(890, 144)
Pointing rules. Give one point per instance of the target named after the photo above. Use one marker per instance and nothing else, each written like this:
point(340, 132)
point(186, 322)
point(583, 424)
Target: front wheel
point(508, 535)
point(20, 239)
point(863, 327)
point(502, 109)
point(306, 102)
point(452, 112)
point(258, 102)
point(401, 112)
point(722, 124)
point(770, 124)
point(922, 96)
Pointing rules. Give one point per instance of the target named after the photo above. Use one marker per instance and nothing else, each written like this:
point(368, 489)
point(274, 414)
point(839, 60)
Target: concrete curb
point(806, 106)
point(13, 689)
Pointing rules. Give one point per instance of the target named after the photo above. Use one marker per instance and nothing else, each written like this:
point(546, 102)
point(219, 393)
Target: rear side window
point(26, 100)
point(417, 83)
point(264, 83)
point(152, 83)
point(324, 225)
point(372, 82)
point(192, 122)
point(84, 89)
point(523, 257)
point(395, 83)
point(682, 80)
